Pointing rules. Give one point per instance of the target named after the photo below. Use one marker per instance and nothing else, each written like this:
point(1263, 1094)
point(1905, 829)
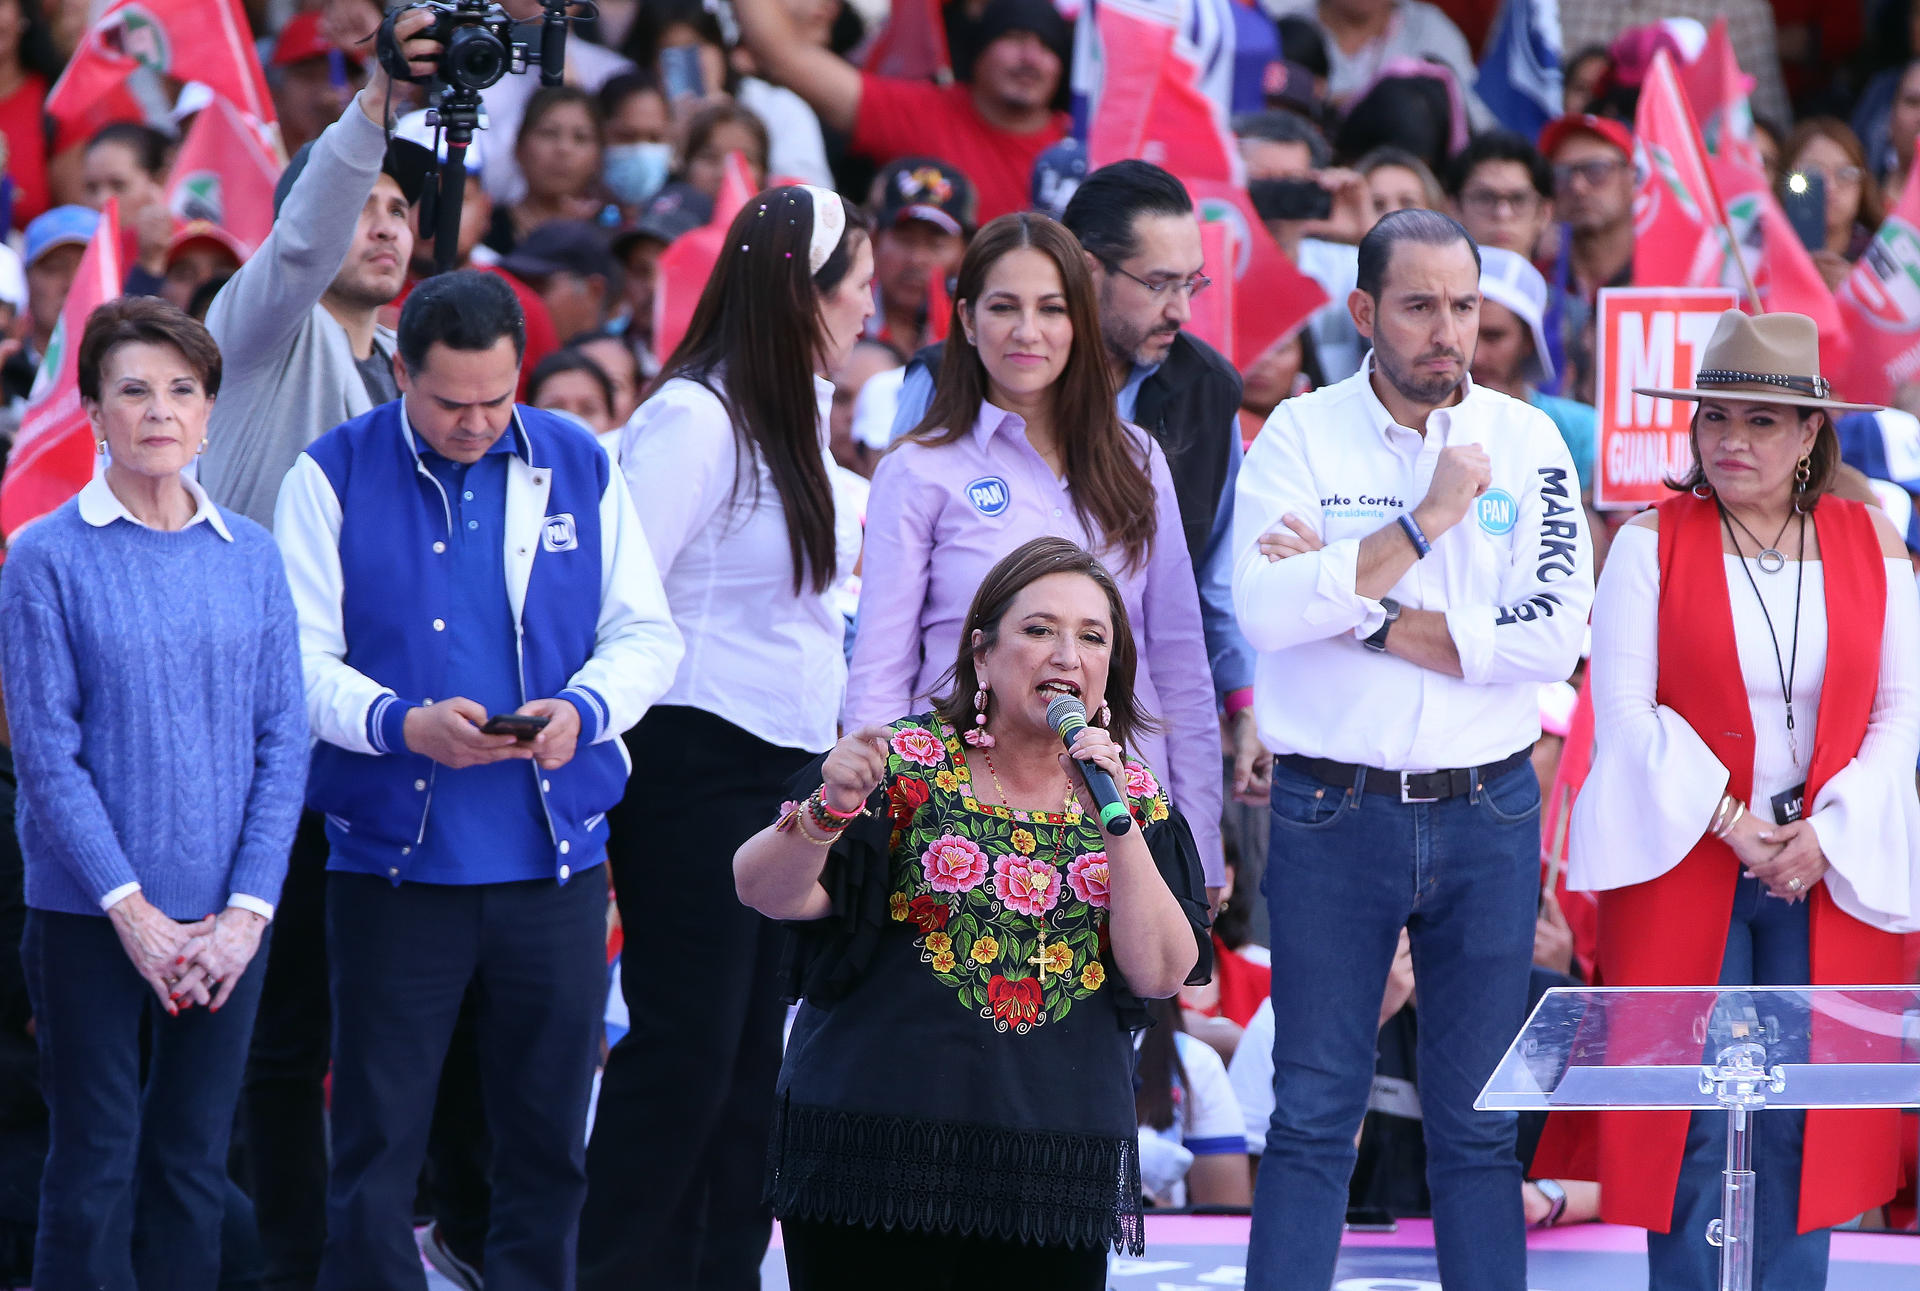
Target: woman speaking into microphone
point(972, 949)
point(1750, 819)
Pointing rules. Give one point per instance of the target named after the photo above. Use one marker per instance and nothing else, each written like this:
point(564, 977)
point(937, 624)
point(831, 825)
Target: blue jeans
point(1767, 945)
point(135, 1190)
point(1345, 872)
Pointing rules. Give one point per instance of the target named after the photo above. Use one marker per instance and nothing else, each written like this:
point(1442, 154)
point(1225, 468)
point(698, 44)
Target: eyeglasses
point(1488, 201)
point(1190, 286)
point(1595, 172)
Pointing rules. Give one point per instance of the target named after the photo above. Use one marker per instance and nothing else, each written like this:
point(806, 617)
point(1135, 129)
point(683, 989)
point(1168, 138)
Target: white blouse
point(766, 660)
point(1654, 784)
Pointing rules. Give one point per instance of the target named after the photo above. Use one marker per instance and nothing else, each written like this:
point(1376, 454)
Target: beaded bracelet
point(794, 820)
point(820, 794)
point(826, 817)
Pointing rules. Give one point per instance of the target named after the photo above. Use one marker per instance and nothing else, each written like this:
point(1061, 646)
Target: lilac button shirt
point(974, 501)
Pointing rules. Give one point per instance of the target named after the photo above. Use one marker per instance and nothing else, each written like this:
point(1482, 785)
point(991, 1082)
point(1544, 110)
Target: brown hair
point(754, 341)
point(1839, 132)
point(1029, 563)
point(1106, 475)
point(702, 124)
point(1823, 459)
point(550, 98)
point(145, 320)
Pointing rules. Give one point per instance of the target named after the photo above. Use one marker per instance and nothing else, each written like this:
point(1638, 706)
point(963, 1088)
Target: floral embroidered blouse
point(962, 1061)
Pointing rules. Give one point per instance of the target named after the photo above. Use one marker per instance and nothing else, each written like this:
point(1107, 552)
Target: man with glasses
point(1592, 159)
point(1137, 225)
point(1502, 192)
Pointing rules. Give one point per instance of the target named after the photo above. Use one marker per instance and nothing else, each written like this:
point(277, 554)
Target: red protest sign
point(1647, 336)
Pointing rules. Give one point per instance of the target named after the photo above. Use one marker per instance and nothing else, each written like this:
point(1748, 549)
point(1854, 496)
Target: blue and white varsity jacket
point(363, 526)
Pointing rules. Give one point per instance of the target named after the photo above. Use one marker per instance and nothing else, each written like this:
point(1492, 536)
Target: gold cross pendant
point(1039, 959)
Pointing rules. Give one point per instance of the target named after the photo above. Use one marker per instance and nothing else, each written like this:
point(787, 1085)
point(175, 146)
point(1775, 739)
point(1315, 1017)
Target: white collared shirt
point(1514, 578)
point(759, 656)
point(100, 507)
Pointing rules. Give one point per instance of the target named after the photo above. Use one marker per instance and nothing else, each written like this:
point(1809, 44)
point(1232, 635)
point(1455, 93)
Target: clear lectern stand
point(1740, 1050)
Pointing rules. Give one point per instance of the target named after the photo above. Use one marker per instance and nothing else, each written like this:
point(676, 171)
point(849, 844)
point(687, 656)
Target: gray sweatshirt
point(289, 374)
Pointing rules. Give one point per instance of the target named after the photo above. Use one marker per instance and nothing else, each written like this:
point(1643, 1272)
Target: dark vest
point(1191, 405)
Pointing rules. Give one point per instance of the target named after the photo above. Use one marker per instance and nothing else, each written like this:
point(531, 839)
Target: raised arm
point(825, 80)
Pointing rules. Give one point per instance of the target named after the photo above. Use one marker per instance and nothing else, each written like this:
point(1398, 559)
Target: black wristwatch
point(1378, 641)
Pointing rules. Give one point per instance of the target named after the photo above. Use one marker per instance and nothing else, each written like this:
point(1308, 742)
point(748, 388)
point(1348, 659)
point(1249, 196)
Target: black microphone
point(1068, 716)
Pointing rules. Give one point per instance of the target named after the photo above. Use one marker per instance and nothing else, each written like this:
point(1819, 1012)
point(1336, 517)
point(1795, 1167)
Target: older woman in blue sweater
point(153, 686)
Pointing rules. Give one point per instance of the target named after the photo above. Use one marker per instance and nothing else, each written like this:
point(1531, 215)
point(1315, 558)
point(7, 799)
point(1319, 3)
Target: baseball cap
point(1057, 173)
point(921, 188)
point(561, 246)
point(204, 231)
point(414, 129)
point(675, 210)
point(1559, 131)
point(1290, 85)
point(407, 162)
point(62, 226)
point(1508, 278)
point(302, 39)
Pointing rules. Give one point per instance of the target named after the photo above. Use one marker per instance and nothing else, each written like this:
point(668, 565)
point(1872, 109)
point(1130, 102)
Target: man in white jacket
point(1410, 561)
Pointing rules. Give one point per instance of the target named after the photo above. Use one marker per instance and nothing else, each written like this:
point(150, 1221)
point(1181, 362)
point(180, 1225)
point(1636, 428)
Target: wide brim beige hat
point(1772, 358)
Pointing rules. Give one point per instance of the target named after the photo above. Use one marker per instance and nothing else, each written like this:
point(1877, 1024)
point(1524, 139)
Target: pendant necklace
point(1770, 560)
point(1789, 666)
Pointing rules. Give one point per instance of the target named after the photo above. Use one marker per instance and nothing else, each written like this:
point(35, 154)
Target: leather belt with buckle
point(1407, 786)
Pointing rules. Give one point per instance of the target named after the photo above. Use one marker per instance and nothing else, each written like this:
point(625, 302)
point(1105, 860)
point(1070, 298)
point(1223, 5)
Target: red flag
point(1680, 233)
point(686, 265)
point(1142, 83)
point(1718, 90)
point(1212, 319)
point(223, 175)
point(1880, 302)
point(913, 44)
point(1271, 296)
point(193, 40)
point(1783, 273)
point(53, 453)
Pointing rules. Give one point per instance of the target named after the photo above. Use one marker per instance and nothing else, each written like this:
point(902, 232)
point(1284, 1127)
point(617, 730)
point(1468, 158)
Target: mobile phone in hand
point(1803, 197)
point(522, 726)
point(681, 74)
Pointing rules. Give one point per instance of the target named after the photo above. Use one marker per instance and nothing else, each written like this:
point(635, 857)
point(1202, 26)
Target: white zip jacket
point(1514, 578)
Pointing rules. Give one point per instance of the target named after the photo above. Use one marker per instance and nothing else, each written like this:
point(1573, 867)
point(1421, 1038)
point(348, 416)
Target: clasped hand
point(1787, 858)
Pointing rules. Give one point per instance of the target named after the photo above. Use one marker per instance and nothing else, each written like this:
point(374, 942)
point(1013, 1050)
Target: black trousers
point(402, 961)
point(678, 1158)
point(845, 1257)
point(283, 1111)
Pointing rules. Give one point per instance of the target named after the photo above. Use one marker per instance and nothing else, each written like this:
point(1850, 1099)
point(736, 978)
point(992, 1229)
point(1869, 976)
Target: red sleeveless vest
point(1672, 931)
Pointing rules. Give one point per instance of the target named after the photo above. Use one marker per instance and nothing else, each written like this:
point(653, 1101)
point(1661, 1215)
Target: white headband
point(829, 222)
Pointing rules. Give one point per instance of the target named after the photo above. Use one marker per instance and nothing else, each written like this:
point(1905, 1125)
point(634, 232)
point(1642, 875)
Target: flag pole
point(1713, 189)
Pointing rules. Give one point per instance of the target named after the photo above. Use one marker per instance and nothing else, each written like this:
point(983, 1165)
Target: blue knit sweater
point(159, 725)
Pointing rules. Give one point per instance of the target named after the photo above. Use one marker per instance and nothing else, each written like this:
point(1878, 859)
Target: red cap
point(1558, 132)
point(301, 39)
point(204, 231)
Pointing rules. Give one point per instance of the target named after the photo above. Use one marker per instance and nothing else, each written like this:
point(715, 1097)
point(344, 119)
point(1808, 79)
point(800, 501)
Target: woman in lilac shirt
point(1021, 441)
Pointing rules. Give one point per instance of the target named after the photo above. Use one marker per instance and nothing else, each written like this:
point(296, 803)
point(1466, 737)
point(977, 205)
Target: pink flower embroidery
point(1087, 876)
point(1140, 782)
point(953, 864)
point(1024, 886)
point(917, 744)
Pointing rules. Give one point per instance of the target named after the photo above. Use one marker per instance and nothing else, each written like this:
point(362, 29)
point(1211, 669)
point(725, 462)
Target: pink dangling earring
point(1106, 717)
point(978, 737)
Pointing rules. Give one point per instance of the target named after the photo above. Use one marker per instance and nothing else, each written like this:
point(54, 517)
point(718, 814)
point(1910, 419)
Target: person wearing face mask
point(1024, 437)
point(730, 470)
point(639, 152)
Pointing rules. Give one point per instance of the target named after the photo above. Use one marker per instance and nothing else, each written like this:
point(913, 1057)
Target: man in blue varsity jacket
point(455, 558)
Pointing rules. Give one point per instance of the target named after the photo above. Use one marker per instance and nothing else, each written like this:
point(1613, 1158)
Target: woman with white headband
point(730, 471)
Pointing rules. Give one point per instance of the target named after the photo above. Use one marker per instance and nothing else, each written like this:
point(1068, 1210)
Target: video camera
point(479, 44)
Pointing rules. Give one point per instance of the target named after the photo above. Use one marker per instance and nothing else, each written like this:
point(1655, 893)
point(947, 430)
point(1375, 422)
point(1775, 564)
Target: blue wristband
point(1411, 528)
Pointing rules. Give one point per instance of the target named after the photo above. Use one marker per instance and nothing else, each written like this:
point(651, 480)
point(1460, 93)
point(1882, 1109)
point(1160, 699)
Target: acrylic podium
point(1737, 1050)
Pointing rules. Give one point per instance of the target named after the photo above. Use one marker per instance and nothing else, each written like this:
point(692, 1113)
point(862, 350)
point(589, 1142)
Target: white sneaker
point(434, 1249)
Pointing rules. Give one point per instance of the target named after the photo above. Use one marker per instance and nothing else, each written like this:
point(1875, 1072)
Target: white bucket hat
point(1507, 278)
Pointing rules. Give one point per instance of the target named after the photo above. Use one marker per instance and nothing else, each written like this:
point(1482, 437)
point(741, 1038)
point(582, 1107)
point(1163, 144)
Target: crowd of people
point(514, 776)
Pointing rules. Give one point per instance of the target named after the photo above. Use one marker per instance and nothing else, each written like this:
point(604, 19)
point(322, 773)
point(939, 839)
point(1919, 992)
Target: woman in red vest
point(1750, 818)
